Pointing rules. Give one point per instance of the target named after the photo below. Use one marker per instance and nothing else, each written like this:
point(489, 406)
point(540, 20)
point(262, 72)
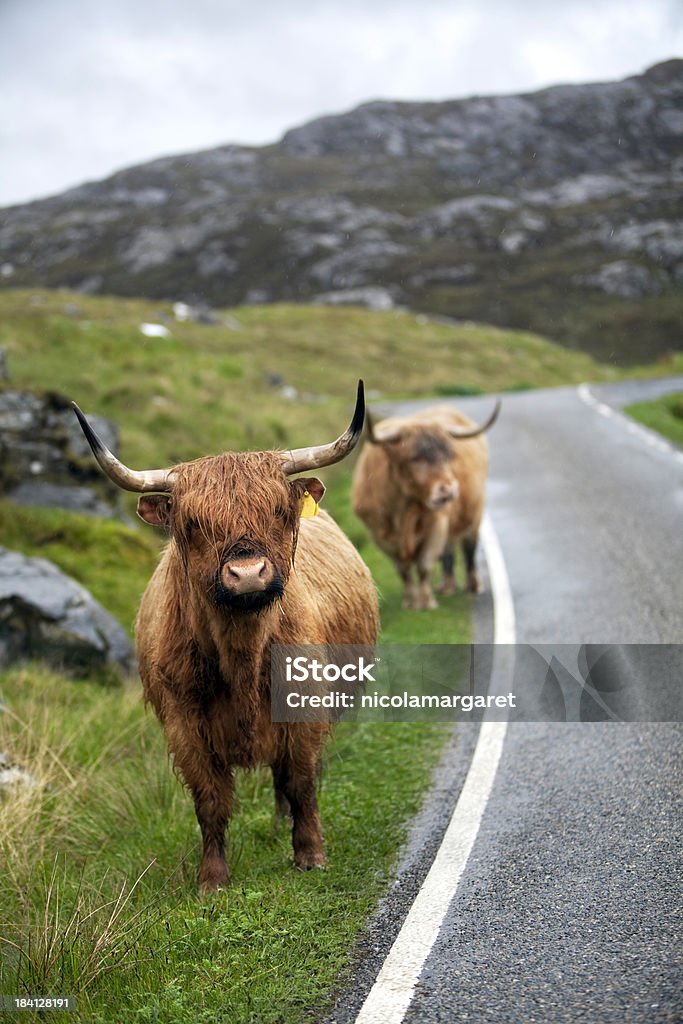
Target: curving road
point(569, 906)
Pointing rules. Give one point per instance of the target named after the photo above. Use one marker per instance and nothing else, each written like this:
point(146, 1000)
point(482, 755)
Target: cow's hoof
point(474, 585)
point(447, 587)
point(309, 861)
point(211, 886)
point(213, 878)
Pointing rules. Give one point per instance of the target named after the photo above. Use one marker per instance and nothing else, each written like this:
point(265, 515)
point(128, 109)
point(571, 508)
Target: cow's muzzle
point(248, 584)
point(443, 494)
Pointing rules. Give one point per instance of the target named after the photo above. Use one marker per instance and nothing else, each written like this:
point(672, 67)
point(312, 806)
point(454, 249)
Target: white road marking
point(390, 996)
point(650, 437)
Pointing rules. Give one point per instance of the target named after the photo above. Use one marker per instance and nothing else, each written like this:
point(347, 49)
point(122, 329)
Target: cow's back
point(375, 496)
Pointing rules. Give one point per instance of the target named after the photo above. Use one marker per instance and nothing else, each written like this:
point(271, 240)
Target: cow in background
point(419, 487)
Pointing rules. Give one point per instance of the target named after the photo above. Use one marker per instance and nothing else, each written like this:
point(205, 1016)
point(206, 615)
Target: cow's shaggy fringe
point(230, 497)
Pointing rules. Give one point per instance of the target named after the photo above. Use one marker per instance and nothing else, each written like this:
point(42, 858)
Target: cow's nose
point(444, 493)
point(247, 575)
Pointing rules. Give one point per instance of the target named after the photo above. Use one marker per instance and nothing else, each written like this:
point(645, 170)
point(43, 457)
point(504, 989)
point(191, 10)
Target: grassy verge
point(182, 396)
point(665, 415)
point(99, 859)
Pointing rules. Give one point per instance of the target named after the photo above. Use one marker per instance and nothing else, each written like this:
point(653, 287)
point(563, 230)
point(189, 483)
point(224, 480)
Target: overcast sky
point(90, 86)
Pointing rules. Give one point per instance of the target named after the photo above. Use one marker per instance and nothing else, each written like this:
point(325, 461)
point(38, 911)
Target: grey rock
point(355, 264)
point(300, 243)
point(582, 189)
point(75, 499)
point(154, 246)
point(337, 212)
point(662, 240)
point(370, 298)
point(481, 209)
point(257, 297)
point(214, 261)
point(624, 279)
point(45, 458)
point(454, 274)
point(47, 615)
point(13, 775)
point(89, 285)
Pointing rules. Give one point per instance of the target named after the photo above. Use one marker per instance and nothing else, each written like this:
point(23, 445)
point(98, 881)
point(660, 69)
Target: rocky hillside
point(554, 211)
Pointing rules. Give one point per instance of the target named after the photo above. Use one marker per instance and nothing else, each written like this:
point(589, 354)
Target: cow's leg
point(410, 593)
point(295, 777)
point(469, 547)
point(425, 594)
point(212, 791)
point(283, 811)
point(447, 585)
point(426, 559)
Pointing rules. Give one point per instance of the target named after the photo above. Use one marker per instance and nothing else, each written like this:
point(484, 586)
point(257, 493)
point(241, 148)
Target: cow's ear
point(315, 487)
point(155, 509)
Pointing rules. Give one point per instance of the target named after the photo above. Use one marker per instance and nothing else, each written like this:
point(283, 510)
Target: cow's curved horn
point(299, 459)
point(475, 431)
point(128, 479)
point(384, 436)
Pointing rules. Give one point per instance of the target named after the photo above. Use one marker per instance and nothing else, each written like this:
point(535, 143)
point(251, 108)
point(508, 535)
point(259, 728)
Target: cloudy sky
point(90, 86)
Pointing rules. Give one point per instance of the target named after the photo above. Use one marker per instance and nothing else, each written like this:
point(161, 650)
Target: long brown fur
point(206, 669)
point(390, 486)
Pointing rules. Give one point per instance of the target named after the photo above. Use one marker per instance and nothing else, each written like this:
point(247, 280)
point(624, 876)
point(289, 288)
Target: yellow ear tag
point(308, 507)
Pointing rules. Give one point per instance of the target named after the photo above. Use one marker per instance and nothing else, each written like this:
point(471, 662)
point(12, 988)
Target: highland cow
point(419, 487)
point(242, 571)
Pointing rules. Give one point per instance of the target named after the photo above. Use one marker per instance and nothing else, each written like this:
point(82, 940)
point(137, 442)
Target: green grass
point(665, 415)
point(204, 389)
point(203, 374)
point(98, 886)
point(99, 861)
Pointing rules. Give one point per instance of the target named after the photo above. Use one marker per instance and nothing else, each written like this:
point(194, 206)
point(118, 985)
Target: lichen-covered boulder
point(45, 460)
point(47, 615)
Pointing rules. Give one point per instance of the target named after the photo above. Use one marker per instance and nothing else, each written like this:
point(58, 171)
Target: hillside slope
point(554, 211)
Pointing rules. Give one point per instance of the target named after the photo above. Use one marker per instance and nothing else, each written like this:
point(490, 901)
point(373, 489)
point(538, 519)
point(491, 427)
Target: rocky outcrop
point(561, 132)
point(504, 209)
point(45, 459)
point(45, 614)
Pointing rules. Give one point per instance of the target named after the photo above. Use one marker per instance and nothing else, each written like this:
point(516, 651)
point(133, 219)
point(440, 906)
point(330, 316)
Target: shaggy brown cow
point(242, 571)
point(419, 487)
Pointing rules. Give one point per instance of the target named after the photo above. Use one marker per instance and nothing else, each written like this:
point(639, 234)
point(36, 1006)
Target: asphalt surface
point(570, 905)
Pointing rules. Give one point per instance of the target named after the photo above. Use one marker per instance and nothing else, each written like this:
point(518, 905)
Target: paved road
point(569, 906)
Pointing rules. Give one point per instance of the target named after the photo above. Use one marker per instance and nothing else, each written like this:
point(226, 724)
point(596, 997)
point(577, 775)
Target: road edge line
point(390, 996)
point(650, 437)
